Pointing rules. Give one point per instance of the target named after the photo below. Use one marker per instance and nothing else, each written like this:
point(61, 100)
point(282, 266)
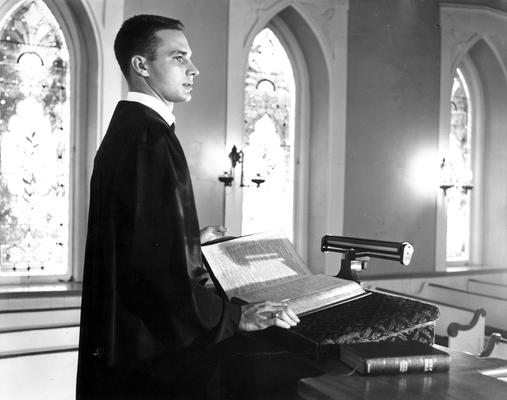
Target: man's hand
point(258, 316)
point(212, 232)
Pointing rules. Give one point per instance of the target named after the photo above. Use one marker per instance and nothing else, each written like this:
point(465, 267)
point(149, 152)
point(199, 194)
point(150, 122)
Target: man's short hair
point(137, 37)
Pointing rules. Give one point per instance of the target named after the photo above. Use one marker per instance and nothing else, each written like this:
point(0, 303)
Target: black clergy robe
point(145, 314)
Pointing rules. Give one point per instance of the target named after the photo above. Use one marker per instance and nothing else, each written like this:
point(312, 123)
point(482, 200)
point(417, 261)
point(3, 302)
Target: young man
point(147, 322)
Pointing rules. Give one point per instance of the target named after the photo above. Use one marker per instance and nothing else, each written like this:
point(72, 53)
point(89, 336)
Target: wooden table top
point(463, 381)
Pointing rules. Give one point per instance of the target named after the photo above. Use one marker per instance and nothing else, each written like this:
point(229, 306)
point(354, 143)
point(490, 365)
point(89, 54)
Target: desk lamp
point(358, 252)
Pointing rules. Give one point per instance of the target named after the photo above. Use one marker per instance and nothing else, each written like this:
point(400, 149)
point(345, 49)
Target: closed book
point(377, 358)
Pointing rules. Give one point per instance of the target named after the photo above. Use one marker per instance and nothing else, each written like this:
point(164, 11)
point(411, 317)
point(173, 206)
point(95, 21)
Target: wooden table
point(464, 381)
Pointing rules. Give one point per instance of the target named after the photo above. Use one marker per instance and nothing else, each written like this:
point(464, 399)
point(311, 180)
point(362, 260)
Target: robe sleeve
point(158, 246)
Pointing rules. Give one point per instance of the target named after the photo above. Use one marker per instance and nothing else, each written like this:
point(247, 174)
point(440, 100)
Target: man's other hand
point(258, 316)
point(212, 232)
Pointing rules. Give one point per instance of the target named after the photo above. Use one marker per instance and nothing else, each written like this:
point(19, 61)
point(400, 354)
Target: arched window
point(459, 166)
point(35, 143)
point(269, 137)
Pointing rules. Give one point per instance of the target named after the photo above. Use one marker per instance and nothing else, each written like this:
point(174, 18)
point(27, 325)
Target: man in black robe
point(148, 325)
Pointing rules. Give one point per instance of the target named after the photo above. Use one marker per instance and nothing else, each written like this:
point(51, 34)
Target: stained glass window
point(460, 163)
point(34, 143)
point(269, 137)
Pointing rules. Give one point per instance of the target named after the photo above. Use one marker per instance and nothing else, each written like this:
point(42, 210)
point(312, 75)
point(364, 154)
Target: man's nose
point(192, 70)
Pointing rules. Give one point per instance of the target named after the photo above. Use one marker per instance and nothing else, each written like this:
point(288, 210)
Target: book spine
point(401, 365)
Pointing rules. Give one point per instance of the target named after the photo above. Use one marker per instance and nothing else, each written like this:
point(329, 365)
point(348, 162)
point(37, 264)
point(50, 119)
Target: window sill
point(60, 289)
point(473, 269)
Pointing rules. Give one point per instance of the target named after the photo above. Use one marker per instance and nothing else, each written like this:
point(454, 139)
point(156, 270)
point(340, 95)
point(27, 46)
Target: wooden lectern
point(271, 362)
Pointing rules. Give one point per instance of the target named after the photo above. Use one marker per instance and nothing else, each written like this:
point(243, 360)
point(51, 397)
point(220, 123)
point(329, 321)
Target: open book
point(266, 266)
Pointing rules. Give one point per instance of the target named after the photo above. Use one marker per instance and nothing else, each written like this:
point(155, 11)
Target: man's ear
point(138, 64)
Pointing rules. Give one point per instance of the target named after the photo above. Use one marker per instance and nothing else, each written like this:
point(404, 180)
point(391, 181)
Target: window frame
point(293, 122)
point(233, 197)
point(79, 139)
point(301, 133)
point(472, 80)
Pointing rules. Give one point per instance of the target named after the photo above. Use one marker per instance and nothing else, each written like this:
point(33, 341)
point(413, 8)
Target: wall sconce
point(258, 180)
point(450, 178)
point(238, 157)
point(226, 178)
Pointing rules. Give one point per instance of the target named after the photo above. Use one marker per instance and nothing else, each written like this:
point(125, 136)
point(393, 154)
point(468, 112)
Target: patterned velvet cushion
point(377, 317)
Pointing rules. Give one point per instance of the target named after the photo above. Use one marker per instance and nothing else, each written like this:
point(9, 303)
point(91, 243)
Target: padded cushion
point(377, 317)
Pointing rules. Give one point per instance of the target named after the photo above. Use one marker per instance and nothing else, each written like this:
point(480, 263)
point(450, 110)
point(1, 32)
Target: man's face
point(171, 73)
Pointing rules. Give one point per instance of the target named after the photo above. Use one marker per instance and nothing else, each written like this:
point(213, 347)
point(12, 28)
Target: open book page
point(267, 267)
point(253, 262)
point(307, 293)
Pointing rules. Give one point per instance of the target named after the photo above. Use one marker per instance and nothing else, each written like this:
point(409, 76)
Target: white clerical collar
point(155, 104)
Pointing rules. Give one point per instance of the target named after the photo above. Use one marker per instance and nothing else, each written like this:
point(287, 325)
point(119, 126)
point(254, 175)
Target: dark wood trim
point(452, 271)
point(490, 330)
point(33, 310)
point(488, 283)
point(491, 343)
point(39, 328)
point(15, 354)
point(465, 291)
point(455, 327)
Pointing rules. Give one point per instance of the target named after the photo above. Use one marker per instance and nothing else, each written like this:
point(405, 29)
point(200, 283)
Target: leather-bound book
point(377, 358)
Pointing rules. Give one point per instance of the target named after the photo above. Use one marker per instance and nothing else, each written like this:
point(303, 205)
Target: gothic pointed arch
point(473, 46)
point(269, 141)
point(44, 45)
point(320, 112)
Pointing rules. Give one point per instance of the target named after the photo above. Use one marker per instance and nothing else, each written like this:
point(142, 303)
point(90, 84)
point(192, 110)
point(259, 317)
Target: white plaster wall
point(392, 126)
